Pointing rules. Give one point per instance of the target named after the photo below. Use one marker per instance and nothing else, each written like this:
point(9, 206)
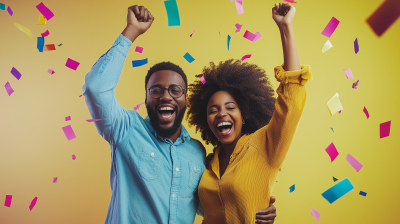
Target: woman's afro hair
point(249, 86)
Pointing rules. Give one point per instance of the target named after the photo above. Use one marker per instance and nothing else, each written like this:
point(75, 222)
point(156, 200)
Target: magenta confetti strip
point(55, 180)
point(366, 112)
point(331, 27)
point(246, 56)
point(219, 33)
point(10, 11)
point(355, 84)
point(73, 157)
point(139, 49)
point(291, 1)
point(33, 203)
point(137, 106)
point(238, 27)
point(93, 120)
point(72, 64)
point(332, 152)
point(348, 72)
point(340, 111)
point(315, 213)
point(45, 34)
point(9, 89)
point(47, 13)
point(385, 129)
point(69, 133)
point(50, 71)
point(192, 33)
point(68, 118)
point(252, 37)
point(80, 95)
point(16, 73)
point(7, 203)
point(203, 80)
point(353, 162)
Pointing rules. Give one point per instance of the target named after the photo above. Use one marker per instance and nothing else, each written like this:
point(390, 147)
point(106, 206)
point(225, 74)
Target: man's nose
point(166, 96)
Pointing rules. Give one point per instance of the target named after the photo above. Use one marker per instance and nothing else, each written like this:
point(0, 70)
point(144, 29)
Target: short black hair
point(249, 86)
point(165, 66)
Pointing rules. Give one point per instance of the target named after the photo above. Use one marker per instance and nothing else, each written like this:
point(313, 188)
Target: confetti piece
point(238, 27)
point(72, 64)
point(2, 6)
point(334, 105)
point(68, 118)
point(338, 190)
point(40, 43)
point(172, 13)
point(348, 72)
point(33, 203)
point(229, 40)
point(331, 27)
point(69, 133)
point(385, 129)
point(80, 95)
point(93, 120)
point(9, 89)
point(54, 180)
point(50, 71)
point(16, 73)
point(60, 45)
point(353, 162)
point(332, 152)
point(356, 46)
point(42, 20)
point(327, 46)
point(24, 29)
point(363, 193)
point(7, 203)
point(203, 80)
point(252, 37)
point(135, 108)
point(47, 13)
point(192, 33)
point(340, 111)
point(332, 129)
point(335, 179)
point(10, 11)
point(355, 84)
point(219, 33)
point(366, 112)
point(246, 56)
point(315, 213)
point(291, 1)
point(291, 188)
point(45, 34)
point(239, 6)
point(73, 157)
point(138, 63)
point(188, 57)
point(50, 47)
point(139, 49)
point(384, 16)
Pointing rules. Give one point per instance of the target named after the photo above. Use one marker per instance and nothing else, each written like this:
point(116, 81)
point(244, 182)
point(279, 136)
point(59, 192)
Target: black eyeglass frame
point(163, 88)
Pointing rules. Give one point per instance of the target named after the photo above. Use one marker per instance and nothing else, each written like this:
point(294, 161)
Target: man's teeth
point(166, 108)
point(224, 123)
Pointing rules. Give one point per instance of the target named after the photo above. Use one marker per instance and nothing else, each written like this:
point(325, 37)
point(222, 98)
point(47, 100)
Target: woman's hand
point(283, 14)
point(267, 215)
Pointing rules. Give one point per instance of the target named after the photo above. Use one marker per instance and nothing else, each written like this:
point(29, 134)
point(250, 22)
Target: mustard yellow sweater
point(250, 176)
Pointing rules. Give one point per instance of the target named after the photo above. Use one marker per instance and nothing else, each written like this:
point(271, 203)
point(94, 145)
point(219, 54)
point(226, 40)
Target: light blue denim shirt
point(152, 179)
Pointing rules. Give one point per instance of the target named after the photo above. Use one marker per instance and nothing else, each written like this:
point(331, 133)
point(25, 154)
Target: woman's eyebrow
point(230, 102)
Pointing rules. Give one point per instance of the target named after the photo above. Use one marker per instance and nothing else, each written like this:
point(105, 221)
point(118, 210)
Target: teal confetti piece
point(229, 40)
point(2, 6)
point(40, 43)
point(172, 13)
point(291, 188)
point(338, 190)
point(188, 57)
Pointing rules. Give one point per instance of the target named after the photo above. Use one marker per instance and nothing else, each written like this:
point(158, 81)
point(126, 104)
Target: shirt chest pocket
point(150, 163)
point(195, 173)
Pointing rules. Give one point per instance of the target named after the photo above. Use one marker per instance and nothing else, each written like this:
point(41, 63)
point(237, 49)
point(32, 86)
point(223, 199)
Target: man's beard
point(165, 132)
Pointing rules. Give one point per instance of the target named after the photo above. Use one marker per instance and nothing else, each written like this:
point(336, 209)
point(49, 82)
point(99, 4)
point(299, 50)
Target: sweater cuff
point(298, 76)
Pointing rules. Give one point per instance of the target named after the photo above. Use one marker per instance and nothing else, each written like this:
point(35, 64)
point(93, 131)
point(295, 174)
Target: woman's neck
point(228, 149)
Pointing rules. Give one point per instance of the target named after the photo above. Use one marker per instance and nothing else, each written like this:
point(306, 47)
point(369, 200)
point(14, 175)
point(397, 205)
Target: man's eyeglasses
point(175, 91)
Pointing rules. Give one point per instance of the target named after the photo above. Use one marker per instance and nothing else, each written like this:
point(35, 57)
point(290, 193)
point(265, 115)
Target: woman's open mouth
point(224, 128)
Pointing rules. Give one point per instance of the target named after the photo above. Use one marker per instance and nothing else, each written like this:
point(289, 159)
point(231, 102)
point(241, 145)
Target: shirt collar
point(183, 137)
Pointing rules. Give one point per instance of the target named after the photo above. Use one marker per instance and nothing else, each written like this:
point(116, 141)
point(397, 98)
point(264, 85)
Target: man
point(155, 164)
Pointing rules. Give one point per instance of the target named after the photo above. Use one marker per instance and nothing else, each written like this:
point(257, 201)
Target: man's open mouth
point(166, 113)
point(224, 128)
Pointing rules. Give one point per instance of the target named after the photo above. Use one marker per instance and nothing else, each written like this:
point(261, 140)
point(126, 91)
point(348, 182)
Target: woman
point(236, 112)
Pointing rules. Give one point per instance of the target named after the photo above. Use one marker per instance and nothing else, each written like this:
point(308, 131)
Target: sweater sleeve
point(99, 90)
point(273, 140)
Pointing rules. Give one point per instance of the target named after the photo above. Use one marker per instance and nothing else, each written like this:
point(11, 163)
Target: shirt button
point(173, 195)
point(195, 169)
point(177, 169)
point(152, 154)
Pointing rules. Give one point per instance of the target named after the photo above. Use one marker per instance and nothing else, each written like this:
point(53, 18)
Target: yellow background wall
point(34, 149)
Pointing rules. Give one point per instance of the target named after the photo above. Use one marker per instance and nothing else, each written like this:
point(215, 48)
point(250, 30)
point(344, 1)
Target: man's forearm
point(130, 32)
point(290, 56)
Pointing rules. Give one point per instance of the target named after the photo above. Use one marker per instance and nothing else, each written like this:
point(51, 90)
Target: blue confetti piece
point(229, 40)
point(338, 190)
point(356, 46)
point(188, 57)
point(40, 43)
point(363, 193)
point(2, 6)
point(138, 63)
point(172, 13)
point(291, 188)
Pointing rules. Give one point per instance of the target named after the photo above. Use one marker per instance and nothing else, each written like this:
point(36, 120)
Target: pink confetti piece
point(385, 129)
point(331, 27)
point(50, 71)
point(54, 180)
point(353, 162)
point(291, 1)
point(80, 95)
point(33, 203)
point(340, 111)
point(315, 213)
point(45, 34)
point(366, 112)
point(332, 152)
point(10, 11)
point(139, 49)
point(258, 35)
point(72, 64)
point(348, 72)
point(7, 203)
point(192, 33)
point(219, 33)
point(239, 6)
point(137, 106)
point(47, 13)
point(73, 157)
point(246, 56)
point(68, 118)
point(9, 89)
point(203, 80)
point(238, 27)
point(355, 84)
point(69, 133)
point(252, 37)
point(93, 120)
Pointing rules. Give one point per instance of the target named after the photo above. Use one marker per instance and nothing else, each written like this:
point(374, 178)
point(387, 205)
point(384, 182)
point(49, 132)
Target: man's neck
point(176, 135)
